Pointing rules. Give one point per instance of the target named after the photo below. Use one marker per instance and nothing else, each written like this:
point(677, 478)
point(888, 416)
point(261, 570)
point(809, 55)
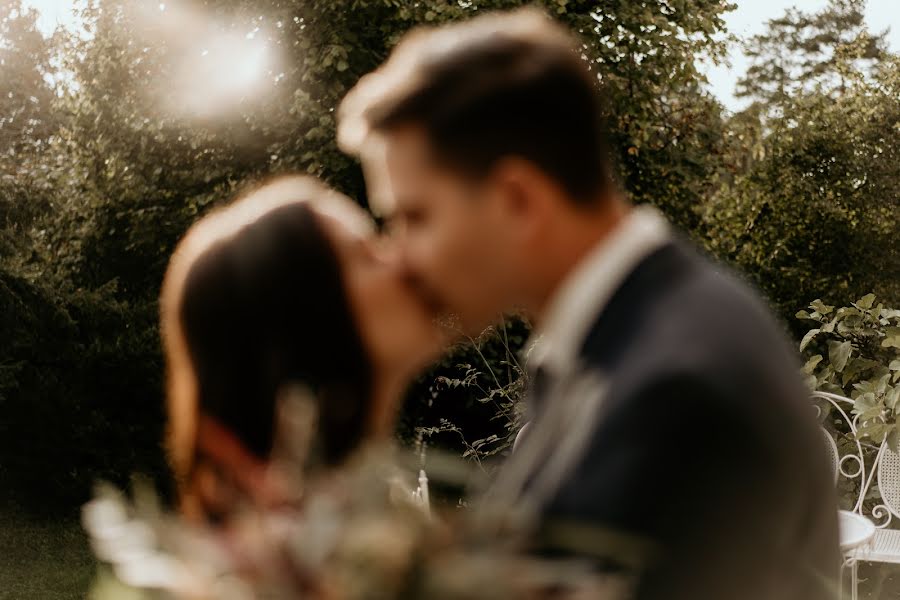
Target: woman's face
point(397, 329)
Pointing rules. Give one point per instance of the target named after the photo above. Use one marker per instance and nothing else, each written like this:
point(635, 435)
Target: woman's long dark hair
point(254, 301)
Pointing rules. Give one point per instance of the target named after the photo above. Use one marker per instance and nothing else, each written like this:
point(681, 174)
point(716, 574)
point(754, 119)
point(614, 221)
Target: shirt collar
point(591, 284)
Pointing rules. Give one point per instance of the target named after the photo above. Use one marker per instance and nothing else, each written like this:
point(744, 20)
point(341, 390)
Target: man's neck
point(577, 236)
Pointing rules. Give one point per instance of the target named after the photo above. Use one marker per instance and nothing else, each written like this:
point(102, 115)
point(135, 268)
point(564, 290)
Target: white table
point(855, 532)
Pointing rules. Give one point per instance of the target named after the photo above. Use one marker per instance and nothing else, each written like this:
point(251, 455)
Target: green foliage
point(104, 170)
point(27, 122)
point(666, 129)
point(109, 162)
point(494, 387)
point(79, 393)
point(812, 210)
point(854, 351)
point(804, 52)
point(471, 398)
point(25, 96)
point(816, 214)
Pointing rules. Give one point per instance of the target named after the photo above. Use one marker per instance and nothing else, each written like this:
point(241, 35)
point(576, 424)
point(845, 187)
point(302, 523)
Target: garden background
point(116, 136)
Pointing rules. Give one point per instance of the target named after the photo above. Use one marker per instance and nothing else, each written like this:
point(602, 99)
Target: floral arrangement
point(355, 534)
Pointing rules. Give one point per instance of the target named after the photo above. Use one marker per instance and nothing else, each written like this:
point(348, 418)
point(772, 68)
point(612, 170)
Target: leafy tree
point(803, 52)
point(161, 168)
point(27, 120)
point(25, 95)
point(134, 150)
point(817, 215)
point(667, 131)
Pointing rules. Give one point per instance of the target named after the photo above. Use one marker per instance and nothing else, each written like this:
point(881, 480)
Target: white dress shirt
point(583, 294)
point(574, 394)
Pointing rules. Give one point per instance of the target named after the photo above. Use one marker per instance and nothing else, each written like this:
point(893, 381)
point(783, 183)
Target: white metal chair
point(856, 533)
point(885, 547)
point(866, 535)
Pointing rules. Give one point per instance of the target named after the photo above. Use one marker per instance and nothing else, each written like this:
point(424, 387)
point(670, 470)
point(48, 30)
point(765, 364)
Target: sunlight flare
point(219, 66)
point(228, 70)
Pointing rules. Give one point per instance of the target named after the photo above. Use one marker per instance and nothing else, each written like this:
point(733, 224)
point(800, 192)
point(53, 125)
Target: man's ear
point(525, 196)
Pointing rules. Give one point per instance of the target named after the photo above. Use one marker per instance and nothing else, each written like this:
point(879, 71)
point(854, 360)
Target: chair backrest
point(860, 462)
point(848, 460)
point(889, 480)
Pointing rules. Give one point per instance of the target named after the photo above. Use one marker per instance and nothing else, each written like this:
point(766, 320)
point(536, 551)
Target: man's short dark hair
point(499, 85)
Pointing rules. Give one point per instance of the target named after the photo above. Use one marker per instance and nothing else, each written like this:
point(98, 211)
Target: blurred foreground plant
point(352, 533)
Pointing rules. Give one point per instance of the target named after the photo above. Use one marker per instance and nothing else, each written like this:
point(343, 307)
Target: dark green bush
point(79, 394)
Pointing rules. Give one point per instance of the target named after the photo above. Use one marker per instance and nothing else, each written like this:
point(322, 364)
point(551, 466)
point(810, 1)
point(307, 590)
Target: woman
point(286, 286)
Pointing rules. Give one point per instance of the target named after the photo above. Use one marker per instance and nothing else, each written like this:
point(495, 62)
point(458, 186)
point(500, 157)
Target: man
point(670, 432)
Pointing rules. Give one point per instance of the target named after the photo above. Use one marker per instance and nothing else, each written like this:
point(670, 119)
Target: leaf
point(856, 367)
point(876, 431)
point(810, 335)
point(881, 384)
point(839, 354)
point(826, 375)
point(864, 402)
point(820, 307)
point(812, 363)
point(892, 338)
point(866, 302)
point(829, 327)
point(831, 388)
point(874, 385)
point(871, 418)
point(893, 439)
point(811, 382)
point(850, 324)
point(892, 397)
point(847, 311)
point(895, 365)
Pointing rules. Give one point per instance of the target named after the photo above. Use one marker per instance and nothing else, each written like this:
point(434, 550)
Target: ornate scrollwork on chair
point(875, 468)
point(857, 531)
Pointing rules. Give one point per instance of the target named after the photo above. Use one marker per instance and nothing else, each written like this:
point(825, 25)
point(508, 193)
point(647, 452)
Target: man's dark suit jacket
point(706, 451)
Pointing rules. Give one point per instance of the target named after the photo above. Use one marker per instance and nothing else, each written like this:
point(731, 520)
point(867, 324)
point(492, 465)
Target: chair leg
point(847, 562)
point(854, 580)
point(841, 580)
